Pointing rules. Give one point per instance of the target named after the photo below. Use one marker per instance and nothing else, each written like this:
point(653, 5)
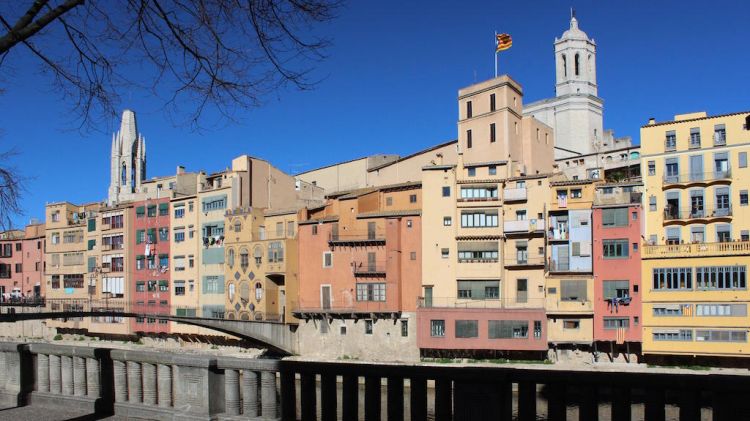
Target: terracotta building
point(22, 263)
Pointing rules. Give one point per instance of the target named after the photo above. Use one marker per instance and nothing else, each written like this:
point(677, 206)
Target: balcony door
point(371, 262)
point(371, 230)
point(696, 168)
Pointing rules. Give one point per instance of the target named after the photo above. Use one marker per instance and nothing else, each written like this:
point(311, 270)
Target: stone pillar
point(164, 376)
point(79, 376)
point(134, 382)
point(249, 393)
point(55, 377)
point(42, 369)
point(149, 384)
point(121, 381)
point(268, 394)
point(232, 391)
point(66, 364)
point(4, 369)
point(92, 377)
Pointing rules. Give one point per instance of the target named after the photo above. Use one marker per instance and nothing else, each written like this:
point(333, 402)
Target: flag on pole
point(502, 42)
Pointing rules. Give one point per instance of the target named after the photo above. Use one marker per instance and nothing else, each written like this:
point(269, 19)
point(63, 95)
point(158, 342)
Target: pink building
point(22, 262)
point(617, 274)
point(150, 241)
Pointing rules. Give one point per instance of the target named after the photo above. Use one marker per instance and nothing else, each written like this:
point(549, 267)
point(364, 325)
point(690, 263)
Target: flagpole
point(495, 53)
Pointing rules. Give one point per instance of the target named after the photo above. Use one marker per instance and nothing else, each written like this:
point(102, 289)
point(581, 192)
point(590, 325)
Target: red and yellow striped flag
point(503, 42)
point(621, 335)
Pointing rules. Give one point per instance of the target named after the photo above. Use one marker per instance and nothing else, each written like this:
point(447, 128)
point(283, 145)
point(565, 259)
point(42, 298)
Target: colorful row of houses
point(532, 235)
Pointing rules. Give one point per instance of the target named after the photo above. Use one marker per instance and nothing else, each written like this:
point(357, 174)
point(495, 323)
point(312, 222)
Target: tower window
point(577, 64)
point(124, 175)
point(468, 109)
point(565, 65)
point(468, 139)
point(492, 102)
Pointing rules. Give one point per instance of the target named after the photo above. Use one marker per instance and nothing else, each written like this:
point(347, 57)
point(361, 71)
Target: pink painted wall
point(483, 316)
point(617, 270)
point(16, 257)
point(33, 264)
point(144, 275)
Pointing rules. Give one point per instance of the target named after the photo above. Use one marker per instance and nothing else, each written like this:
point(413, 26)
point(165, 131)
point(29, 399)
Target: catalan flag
point(502, 42)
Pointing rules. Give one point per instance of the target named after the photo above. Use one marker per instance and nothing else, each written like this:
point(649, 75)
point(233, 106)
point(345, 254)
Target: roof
point(319, 220)
point(485, 164)
point(276, 212)
point(353, 194)
point(528, 177)
point(663, 123)
point(437, 167)
point(331, 165)
point(423, 151)
point(390, 214)
point(572, 182)
point(621, 184)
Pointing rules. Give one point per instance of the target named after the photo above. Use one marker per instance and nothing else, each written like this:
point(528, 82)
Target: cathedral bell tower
point(575, 55)
point(128, 160)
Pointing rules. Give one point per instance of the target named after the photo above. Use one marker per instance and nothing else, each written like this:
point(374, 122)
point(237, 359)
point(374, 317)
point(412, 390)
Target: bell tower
point(575, 56)
point(127, 160)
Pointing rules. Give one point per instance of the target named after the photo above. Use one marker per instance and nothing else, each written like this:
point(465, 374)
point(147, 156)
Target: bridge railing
point(179, 385)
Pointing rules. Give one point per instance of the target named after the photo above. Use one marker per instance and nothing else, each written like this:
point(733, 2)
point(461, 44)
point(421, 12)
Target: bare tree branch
point(11, 189)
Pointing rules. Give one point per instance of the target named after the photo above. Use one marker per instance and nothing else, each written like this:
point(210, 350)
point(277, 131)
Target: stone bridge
point(278, 337)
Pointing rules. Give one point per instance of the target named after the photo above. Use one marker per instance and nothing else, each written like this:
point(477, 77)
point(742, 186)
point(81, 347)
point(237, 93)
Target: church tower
point(575, 55)
point(128, 160)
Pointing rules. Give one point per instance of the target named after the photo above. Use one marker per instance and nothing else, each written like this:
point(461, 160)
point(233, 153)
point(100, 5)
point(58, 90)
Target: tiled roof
point(571, 182)
point(485, 164)
point(389, 214)
point(319, 220)
point(663, 123)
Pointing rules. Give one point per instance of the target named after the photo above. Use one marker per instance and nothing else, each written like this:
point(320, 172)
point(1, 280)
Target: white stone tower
point(128, 160)
point(575, 113)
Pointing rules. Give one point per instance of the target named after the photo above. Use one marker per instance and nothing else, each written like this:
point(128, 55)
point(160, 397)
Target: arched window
point(230, 258)
point(589, 63)
point(565, 65)
point(577, 64)
point(258, 291)
point(244, 259)
point(231, 291)
point(124, 175)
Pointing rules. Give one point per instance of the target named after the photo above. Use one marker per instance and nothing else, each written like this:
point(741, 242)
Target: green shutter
point(92, 263)
point(163, 206)
point(152, 235)
point(162, 256)
point(140, 210)
point(92, 244)
point(92, 225)
point(163, 283)
point(140, 257)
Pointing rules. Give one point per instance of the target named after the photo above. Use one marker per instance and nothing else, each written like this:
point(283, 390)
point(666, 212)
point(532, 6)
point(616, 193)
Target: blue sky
point(390, 85)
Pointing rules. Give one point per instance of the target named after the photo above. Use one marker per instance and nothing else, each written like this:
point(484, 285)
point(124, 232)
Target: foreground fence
point(166, 385)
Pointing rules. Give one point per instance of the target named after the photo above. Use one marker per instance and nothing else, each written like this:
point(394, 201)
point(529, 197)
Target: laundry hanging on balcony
point(616, 302)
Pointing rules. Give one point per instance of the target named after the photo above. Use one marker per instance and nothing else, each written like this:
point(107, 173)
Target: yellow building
point(261, 264)
point(698, 236)
point(570, 281)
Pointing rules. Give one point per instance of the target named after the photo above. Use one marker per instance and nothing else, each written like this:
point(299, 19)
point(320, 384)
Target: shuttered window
point(573, 290)
point(615, 217)
point(467, 328)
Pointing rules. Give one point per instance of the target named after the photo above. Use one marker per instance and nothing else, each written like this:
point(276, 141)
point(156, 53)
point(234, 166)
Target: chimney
point(180, 169)
point(651, 121)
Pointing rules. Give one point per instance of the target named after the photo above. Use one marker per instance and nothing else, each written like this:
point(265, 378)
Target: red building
point(22, 262)
point(617, 231)
point(149, 242)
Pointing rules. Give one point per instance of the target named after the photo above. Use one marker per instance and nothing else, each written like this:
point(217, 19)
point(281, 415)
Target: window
point(179, 263)
point(342, 330)
point(492, 102)
point(634, 216)
point(695, 137)
point(213, 284)
point(140, 211)
point(413, 255)
point(73, 281)
point(670, 141)
point(576, 194)
point(709, 310)
point(368, 327)
point(573, 290)
point(472, 172)
point(468, 139)
point(327, 259)
point(55, 278)
point(743, 159)
point(446, 191)
point(437, 328)
point(672, 278)
point(179, 236)
point(651, 167)
point(314, 230)
point(163, 234)
point(245, 258)
point(289, 229)
point(468, 109)
point(151, 211)
point(5, 270)
point(479, 290)
point(521, 290)
point(723, 233)
point(412, 198)
point(670, 309)
point(492, 132)
point(721, 335)
point(139, 262)
point(720, 277)
point(652, 203)
point(230, 258)
point(507, 329)
point(477, 219)
point(479, 193)
point(611, 323)
point(279, 229)
point(447, 221)
point(492, 169)
point(214, 203)
point(615, 249)
point(467, 328)
point(275, 252)
point(720, 135)
point(404, 328)
point(743, 197)
point(444, 253)
point(56, 216)
point(179, 213)
point(616, 289)
point(615, 217)
point(571, 324)
point(140, 286)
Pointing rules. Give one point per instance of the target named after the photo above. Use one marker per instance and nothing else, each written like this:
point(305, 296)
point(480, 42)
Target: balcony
point(369, 269)
point(106, 247)
point(618, 198)
point(529, 262)
point(487, 303)
point(515, 195)
point(705, 179)
point(353, 237)
point(556, 266)
point(733, 248)
point(694, 215)
point(353, 309)
point(523, 226)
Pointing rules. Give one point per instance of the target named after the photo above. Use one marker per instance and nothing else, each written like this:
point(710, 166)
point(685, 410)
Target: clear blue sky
point(391, 82)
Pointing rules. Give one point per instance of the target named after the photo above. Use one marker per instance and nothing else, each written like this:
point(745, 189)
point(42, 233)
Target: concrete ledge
point(67, 350)
point(11, 399)
point(51, 400)
point(225, 417)
point(130, 410)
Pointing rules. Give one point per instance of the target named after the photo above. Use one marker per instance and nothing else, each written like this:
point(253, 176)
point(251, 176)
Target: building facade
point(697, 234)
point(22, 263)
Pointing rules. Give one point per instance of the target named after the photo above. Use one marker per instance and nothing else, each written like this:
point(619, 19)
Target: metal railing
point(356, 236)
point(351, 306)
point(617, 198)
point(484, 303)
point(369, 267)
point(528, 261)
point(697, 177)
point(693, 213)
point(730, 248)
